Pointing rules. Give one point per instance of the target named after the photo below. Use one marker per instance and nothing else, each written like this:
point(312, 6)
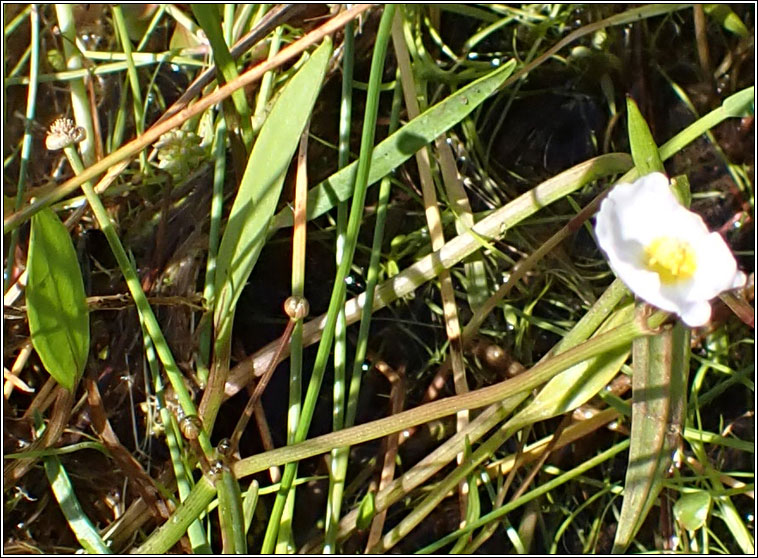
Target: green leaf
point(366, 512)
point(724, 15)
point(403, 144)
point(55, 299)
point(680, 185)
point(740, 104)
point(659, 393)
point(230, 514)
point(736, 525)
point(86, 533)
point(262, 181)
point(644, 150)
point(578, 384)
point(691, 510)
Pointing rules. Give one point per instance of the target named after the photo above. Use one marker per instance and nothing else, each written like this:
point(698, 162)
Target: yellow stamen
point(672, 259)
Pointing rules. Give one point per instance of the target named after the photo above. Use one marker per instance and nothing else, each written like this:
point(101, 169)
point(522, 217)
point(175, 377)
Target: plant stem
point(356, 215)
point(115, 162)
point(143, 306)
point(537, 375)
point(26, 147)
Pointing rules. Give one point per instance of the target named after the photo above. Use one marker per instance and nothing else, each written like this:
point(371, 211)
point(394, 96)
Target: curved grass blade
point(402, 145)
point(741, 104)
point(56, 303)
point(578, 384)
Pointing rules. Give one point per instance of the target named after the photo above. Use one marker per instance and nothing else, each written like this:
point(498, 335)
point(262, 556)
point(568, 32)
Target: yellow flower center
point(672, 259)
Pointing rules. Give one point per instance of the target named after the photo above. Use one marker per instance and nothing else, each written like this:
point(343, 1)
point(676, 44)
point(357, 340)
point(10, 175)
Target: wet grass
point(186, 278)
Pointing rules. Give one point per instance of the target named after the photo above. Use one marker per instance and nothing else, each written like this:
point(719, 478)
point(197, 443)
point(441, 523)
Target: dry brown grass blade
point(396, 378)
point(17, 468)
point(126, 462)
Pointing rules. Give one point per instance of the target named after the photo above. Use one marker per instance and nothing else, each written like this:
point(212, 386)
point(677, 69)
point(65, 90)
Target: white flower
point(62, 133)
point(662, 251)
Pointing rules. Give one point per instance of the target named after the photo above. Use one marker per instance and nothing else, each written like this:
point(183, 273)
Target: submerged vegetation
point(324, 278)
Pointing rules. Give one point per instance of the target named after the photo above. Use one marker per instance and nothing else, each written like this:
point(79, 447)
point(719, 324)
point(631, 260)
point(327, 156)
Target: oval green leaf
point(55, 299)
point(691, 510)
point(366, 511)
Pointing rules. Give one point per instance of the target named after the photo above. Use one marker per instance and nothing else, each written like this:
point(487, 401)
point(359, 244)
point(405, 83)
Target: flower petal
point(697, 314)
point(636, 217)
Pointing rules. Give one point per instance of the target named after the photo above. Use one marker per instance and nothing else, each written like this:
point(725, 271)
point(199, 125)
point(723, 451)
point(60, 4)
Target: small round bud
point(63, 133)
point(297, 307)
point(191, 426)
point(179, 152)
point(496, 356)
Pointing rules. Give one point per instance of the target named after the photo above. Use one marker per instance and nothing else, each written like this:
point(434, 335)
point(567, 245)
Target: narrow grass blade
point(163, 538)
point(263, 179)
point(253, 208)
point(131, 69)
point(248, 504)
point(531, 495)
point(578, 384)
point(56, 302)
point(401, 145)
point(80, 524)
point(659, 383)
point(26, 148)
point(338, 292)
point(208, 17)
point(230, 514)
point(741, 104)
point(644, 150)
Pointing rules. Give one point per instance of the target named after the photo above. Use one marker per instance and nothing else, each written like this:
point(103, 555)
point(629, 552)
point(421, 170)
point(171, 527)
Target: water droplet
point(224, 447)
